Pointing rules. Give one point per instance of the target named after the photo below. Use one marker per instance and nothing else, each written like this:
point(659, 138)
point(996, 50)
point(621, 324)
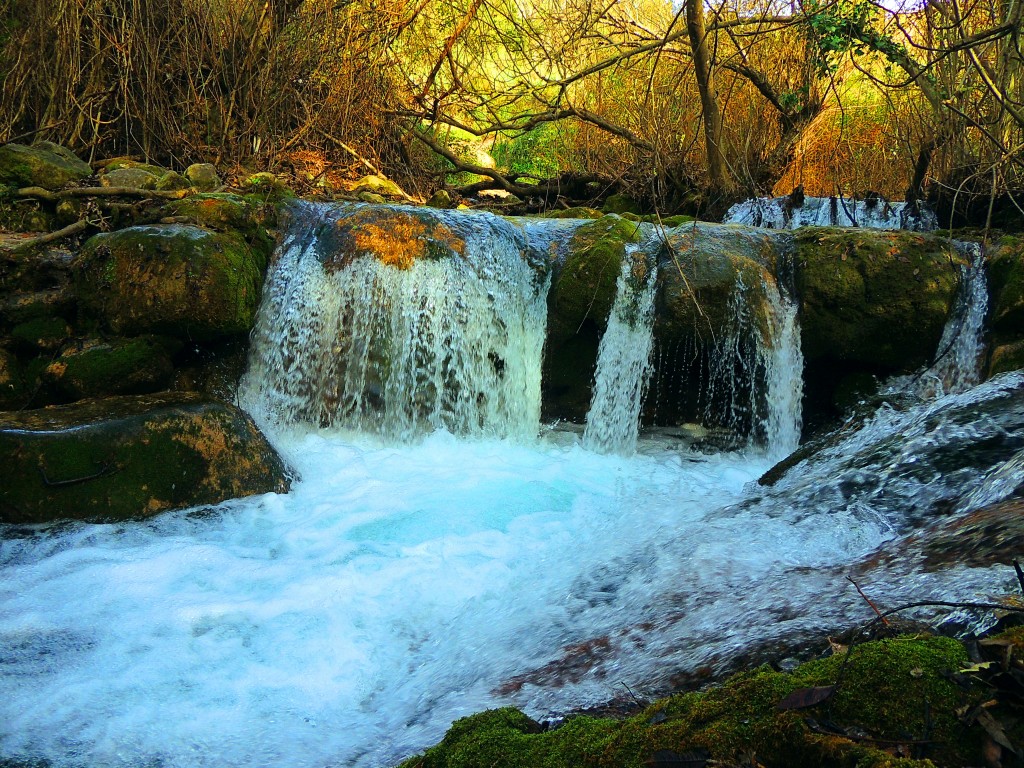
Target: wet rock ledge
point(128, 457)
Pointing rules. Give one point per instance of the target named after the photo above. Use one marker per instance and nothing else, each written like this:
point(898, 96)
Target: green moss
point(171, 280)
point(1006, 357)
point(585, 287)
point(121, 366)
point(878, 299)
point(621, 203)
point(883, 692)
point(130, 457)
point(23, 166)
point(1006, 287)
point(573, 213)
point(41, 333)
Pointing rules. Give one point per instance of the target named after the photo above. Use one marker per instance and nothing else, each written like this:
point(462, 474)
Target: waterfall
point(624, 359)
point(872, 212)
point(450, 340)
point(755, 378)
point(784, 377)
point(957, 367)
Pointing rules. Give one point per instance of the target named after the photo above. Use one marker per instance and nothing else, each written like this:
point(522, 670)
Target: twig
point(49, 237)
point(106, 469)
point(868, 601)
point(1020, 574)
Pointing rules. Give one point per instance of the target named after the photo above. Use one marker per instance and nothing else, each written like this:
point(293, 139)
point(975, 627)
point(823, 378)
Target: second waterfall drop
point(624, 359)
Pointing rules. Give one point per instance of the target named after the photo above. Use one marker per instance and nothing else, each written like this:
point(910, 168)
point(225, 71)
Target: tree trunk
point(702, 65)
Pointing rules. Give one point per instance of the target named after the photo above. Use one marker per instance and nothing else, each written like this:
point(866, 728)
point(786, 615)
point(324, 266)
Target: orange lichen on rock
point(399, 239)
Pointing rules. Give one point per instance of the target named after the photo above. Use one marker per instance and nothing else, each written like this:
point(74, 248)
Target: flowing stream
point(443, 552)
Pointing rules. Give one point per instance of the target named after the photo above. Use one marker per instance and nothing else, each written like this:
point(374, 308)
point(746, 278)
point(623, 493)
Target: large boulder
point(874, 299)
point(171, 280)
point(130, 457)
point(43, 165)
point(1005, 261)
point(703, 271)
point(583, 288)
point(582, 294)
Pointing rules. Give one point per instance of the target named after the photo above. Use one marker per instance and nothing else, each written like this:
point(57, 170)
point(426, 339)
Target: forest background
point(685, 108)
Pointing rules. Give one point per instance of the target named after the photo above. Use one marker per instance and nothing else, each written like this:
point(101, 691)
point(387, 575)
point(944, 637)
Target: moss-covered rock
point(130, 178)
point(579, 212)
point(171, 181)
point(378, 185)
point(94, 367)
point(203, 176)
point(440, 199)
point(130, 457)
point(43, 165)
point(1006, 357)
point(12, 382)
point(580, 300)
point(584, 288)
point(621, 203)
point(44, 333)
point(874, 299)
point(1006, 286)
point(702, 268)
point(881, 694)
point(171, 280)
point(396, 236)
point(123, 163)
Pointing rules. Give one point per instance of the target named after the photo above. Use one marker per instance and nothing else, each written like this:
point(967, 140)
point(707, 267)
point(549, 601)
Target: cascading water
point(440, 343)
point(783, 377)
point(754, 384)
point(624, 359)
point(871, 213)
point(402, 584)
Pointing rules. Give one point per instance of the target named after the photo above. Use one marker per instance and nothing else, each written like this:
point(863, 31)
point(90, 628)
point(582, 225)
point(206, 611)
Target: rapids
point(447, 553)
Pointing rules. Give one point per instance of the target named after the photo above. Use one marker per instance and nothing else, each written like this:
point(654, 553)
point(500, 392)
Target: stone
point(45, 333)
point(12, 383)
point(440, 199)
point(263, 182)
point(584, 288)
point(130, 457)
point(371, 197)
point(172, 280)
point(582, 292)
point(70, 210)
point(172, 181)
point(621, 203)
point(578, 212)
point(379, 186)
point(1005, 260)
point(43, 165)
point(120, 163)
point(1006, 357)
point(873, 299)
point(96, 367)
point(129, 178)
point(701, 269)
point(203, 176)
point(397, 237)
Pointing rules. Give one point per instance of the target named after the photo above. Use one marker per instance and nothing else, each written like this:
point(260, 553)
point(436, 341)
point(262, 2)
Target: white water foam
point(779, 213)
point(624, 359)
point(399, 587)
